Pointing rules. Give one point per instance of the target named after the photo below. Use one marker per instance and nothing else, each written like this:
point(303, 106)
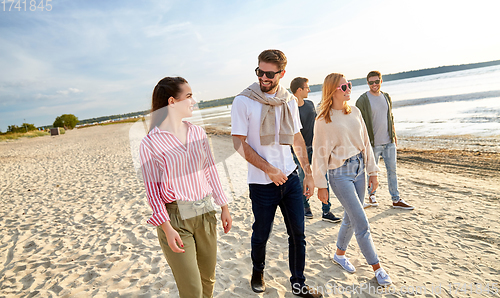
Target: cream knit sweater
point(333, 143)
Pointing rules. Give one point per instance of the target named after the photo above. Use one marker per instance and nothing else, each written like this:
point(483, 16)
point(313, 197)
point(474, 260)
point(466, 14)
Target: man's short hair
point(275, 57)
point(297, 83)
point(374, 73)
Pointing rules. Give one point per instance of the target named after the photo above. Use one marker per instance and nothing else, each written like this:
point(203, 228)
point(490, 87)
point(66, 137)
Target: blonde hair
point(329, 87)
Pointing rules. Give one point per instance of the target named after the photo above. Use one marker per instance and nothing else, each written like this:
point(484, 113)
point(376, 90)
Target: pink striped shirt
point(173, 171)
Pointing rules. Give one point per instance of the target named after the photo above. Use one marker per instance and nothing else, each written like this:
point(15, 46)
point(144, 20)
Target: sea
point(456, 103)
point(460, 103)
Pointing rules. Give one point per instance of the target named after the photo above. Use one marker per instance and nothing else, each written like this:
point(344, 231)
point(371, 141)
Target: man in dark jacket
point(376, 108)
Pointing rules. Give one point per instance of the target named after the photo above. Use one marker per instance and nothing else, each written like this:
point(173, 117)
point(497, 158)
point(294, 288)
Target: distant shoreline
point(314, 88)
point(427, 72)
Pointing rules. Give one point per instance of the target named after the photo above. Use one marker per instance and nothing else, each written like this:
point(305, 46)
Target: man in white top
point(376, 108)
point(265, 122)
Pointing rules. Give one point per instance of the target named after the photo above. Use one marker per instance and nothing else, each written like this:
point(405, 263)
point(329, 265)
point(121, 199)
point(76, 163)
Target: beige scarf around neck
point(267, 118)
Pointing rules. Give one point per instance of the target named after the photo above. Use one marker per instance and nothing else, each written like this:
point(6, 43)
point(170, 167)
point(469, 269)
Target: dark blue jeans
point(265, 200)
point(325, 207)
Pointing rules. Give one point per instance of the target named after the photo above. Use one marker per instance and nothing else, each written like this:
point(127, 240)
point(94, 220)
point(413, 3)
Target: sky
point(96, 58)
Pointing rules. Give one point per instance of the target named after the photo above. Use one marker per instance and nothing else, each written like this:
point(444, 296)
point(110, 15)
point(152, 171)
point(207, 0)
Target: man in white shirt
point(376, 108)
point(265, 122)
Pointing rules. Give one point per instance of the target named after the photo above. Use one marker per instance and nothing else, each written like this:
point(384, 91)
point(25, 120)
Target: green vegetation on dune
point(31, 133)
point(25, 127)
point(113, 117)
point(17, 135)
point(130, 120)
point(66, 120)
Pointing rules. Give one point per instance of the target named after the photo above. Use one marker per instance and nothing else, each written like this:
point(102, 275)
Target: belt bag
point(188, 209)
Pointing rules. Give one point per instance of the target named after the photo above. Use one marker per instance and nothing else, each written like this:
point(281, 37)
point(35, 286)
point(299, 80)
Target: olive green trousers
point(194, 270)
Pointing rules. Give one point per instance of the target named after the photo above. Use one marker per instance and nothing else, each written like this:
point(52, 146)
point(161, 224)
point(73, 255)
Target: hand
point(226, 219)
point(323, 195)
point(308, 186)
point(173, 238)
point(373, 183)
point(277, 176)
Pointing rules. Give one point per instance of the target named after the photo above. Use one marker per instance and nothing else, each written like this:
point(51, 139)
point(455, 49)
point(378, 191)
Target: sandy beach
point(73, 223)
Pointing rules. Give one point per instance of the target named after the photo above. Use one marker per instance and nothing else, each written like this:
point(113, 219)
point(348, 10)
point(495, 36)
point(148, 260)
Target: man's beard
point(268, 87)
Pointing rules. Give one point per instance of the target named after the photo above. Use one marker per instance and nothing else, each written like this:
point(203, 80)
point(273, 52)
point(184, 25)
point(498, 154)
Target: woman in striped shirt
point(179, 174)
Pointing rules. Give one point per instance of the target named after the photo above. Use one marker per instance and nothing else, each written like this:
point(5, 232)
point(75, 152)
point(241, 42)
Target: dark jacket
point(363, 104)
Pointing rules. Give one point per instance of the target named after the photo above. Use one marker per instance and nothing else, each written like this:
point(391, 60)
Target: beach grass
point(129, 120)
point(17, 135)
point(29, 134)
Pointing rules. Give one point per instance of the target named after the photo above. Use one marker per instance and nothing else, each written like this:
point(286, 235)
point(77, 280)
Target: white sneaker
point(402, 205)
point(372, 202)
point(344, 263)
point(383, 278)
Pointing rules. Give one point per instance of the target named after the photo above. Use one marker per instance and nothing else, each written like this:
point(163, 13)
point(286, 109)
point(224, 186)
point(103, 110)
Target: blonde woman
point(341, 147)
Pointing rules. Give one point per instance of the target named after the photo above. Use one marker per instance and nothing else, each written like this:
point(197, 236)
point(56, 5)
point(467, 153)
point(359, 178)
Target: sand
point(73, 223)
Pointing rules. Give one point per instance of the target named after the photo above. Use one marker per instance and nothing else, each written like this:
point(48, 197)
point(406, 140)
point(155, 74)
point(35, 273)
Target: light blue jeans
point(389, 153)
point(348, 182)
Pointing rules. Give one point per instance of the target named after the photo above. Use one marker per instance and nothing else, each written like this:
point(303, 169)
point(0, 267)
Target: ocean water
point(456, 103)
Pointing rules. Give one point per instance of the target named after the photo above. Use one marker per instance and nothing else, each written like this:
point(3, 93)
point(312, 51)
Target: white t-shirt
point(245, 121)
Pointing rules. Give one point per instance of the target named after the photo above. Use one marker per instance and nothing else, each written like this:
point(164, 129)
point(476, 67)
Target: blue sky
point(98, 58)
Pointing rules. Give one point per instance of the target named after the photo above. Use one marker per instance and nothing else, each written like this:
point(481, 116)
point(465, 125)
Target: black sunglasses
point(269, 74)
point(374, 82)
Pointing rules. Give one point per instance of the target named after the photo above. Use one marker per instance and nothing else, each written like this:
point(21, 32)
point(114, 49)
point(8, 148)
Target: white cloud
point(166, 30)
point(110, 54)
point(69, 91)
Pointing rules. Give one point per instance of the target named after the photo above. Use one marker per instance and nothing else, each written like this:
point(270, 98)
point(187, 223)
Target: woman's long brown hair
point(166, 88)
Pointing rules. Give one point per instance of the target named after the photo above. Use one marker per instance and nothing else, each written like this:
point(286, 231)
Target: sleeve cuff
point(221, 200)
point(320, 181)
point(158, 218)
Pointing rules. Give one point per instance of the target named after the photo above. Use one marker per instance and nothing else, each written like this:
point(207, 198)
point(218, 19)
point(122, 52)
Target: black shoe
point(307, 292)
point(257, 282)
point(308, 213)
point(331, 218)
